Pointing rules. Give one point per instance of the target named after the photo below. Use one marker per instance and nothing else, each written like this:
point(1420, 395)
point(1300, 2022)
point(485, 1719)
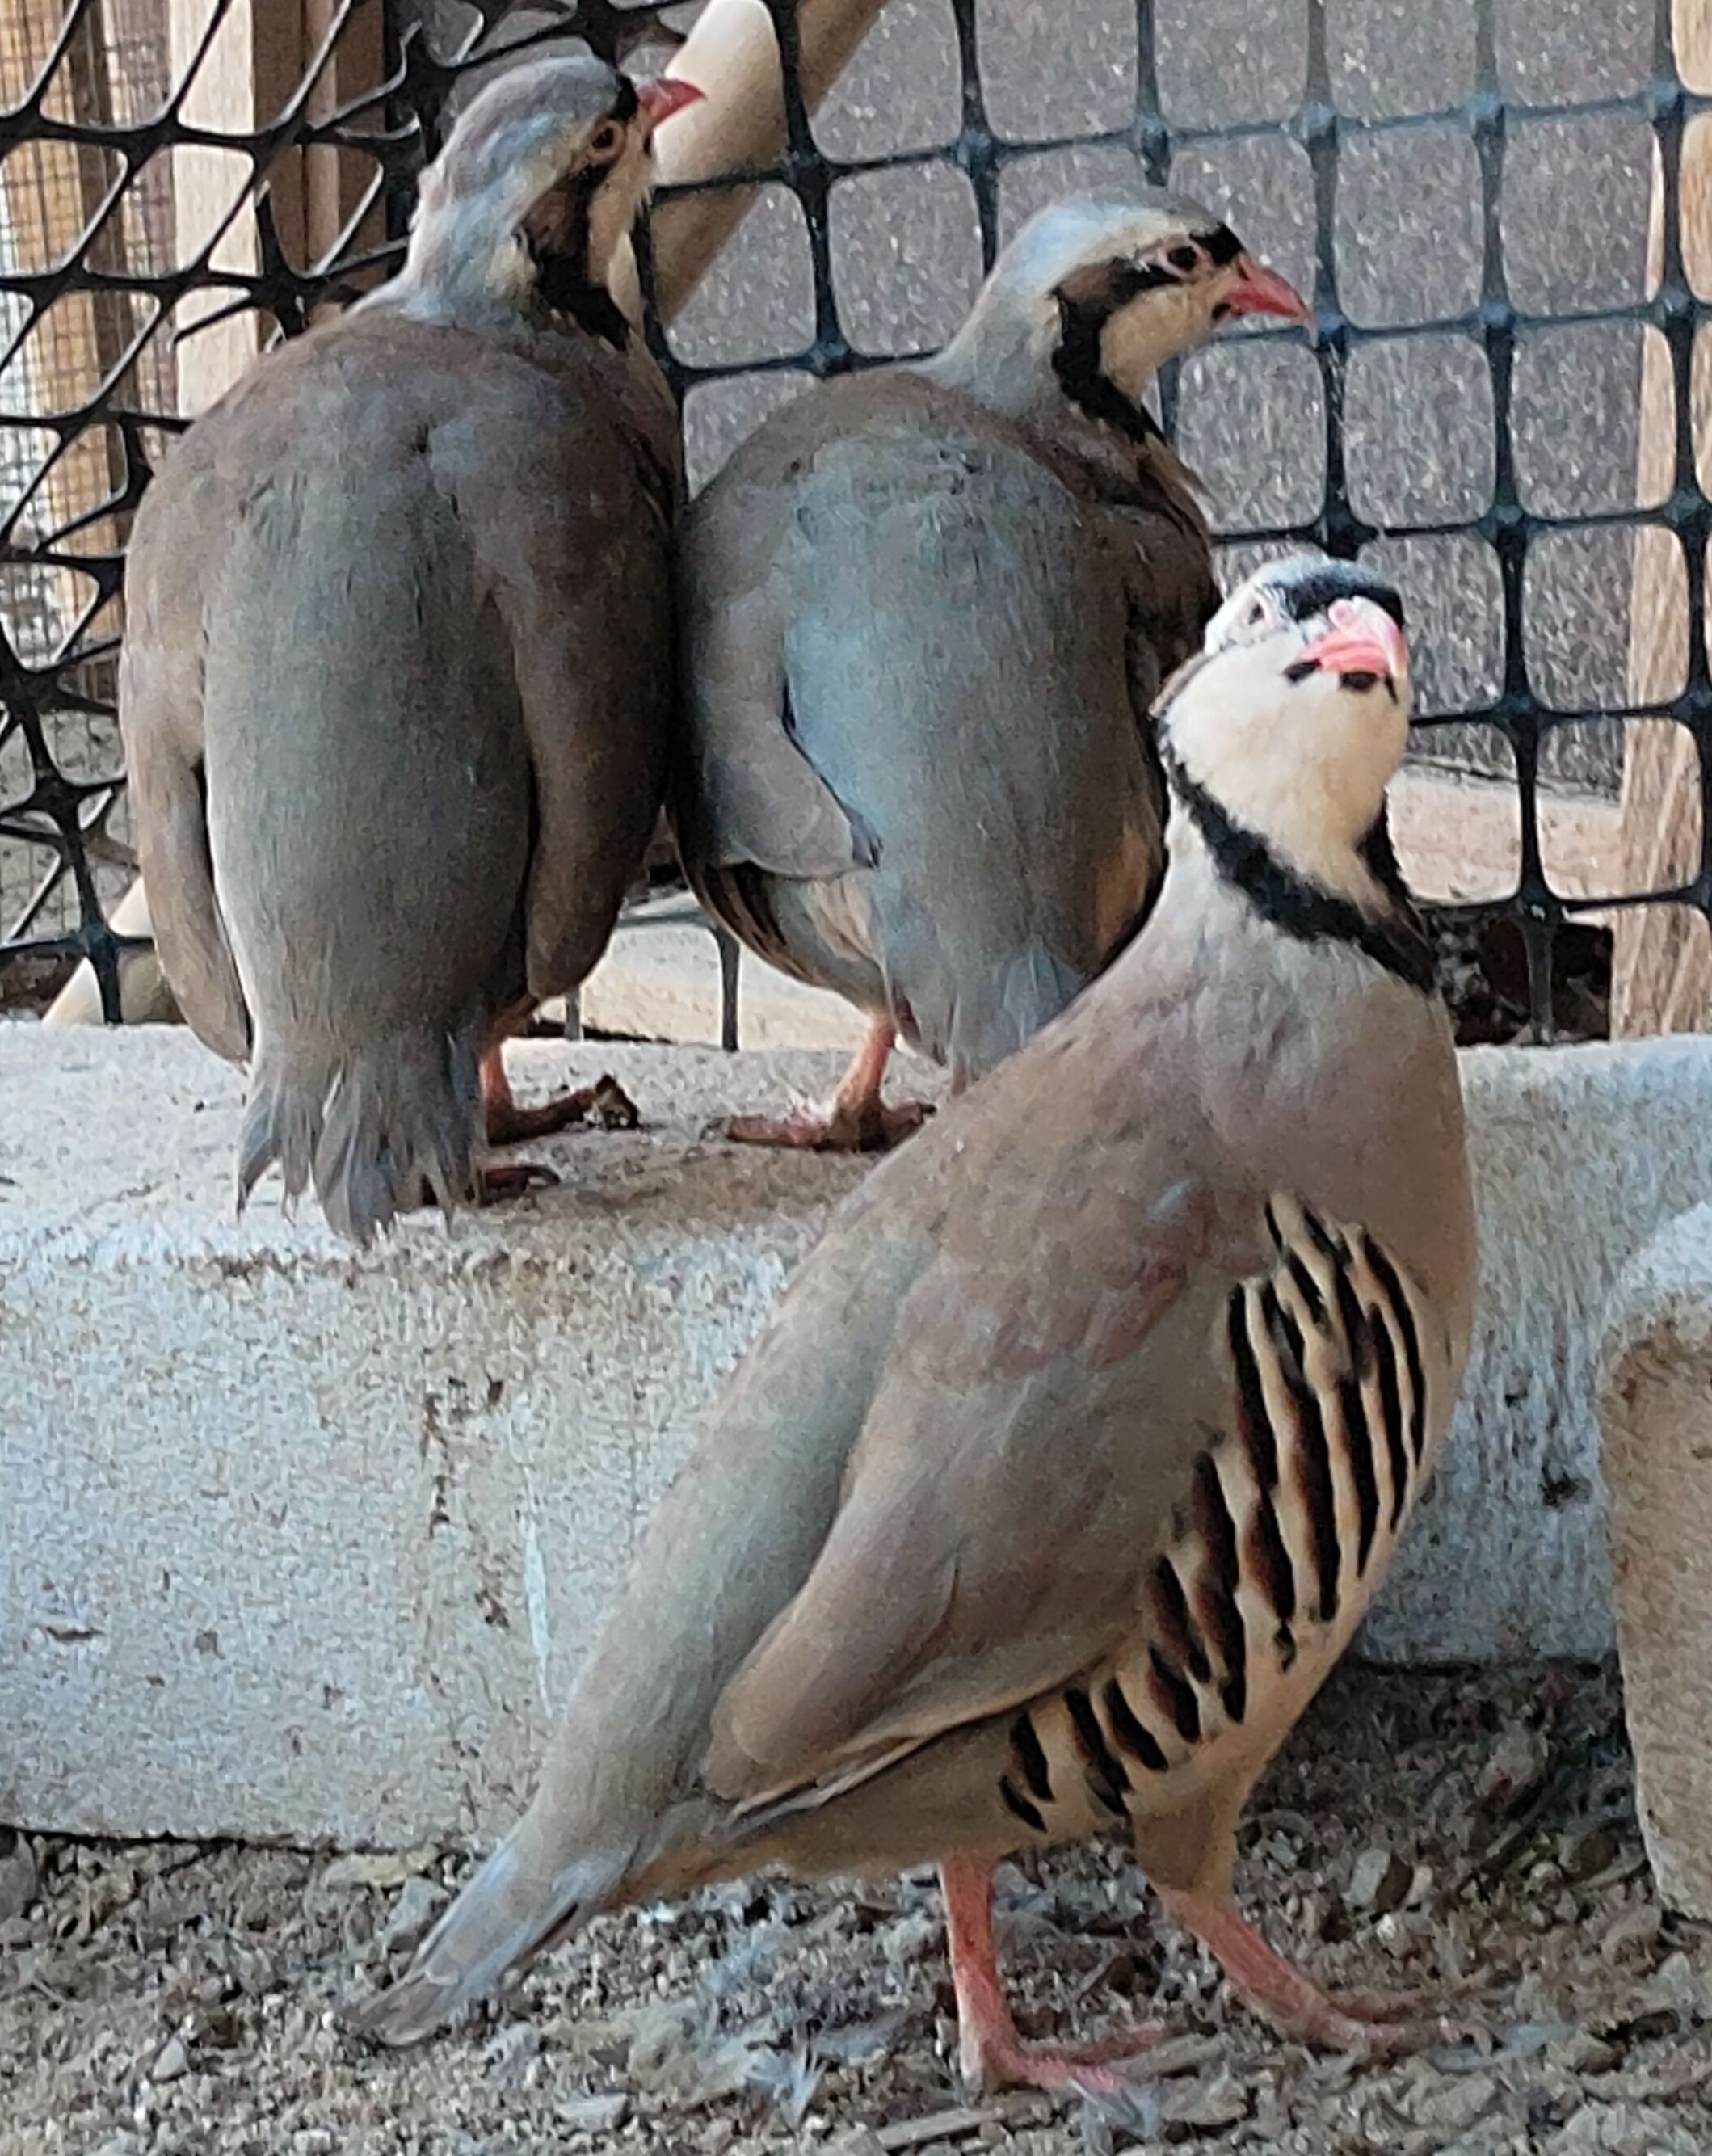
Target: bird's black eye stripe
point(625, 104)
point(1313, 594)
point(1221, 244)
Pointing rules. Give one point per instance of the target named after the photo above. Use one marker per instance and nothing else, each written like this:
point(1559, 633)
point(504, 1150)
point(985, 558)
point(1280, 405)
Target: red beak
point(1262, 291)
point(665, 95)
point(1362, 639)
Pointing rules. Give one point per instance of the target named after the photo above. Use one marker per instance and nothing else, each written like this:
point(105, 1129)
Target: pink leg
point(509, 1124)
point(990, 2052)
point(855, 1120)
point(1290, 2000)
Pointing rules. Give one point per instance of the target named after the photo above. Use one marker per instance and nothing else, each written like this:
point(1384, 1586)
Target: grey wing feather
point(955, 655)
point(161, 687)
point(747, 793)
point(568, 511)
point(978, 1556)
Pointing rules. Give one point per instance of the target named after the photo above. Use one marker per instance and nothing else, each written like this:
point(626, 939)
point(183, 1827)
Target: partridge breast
point(1339, 1388)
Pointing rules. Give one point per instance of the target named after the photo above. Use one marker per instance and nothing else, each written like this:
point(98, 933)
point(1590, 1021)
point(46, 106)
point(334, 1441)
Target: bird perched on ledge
point(924, 613)
point(396, 688)
point(1076, 1449)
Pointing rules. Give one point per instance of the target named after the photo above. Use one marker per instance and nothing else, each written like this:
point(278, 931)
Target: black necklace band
point(1302, 909)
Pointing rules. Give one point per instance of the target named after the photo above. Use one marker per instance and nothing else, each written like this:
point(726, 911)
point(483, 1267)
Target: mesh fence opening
point(1482, 198)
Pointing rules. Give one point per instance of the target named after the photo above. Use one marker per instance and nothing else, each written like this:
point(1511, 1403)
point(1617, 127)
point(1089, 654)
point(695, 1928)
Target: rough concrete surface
point(282, 1520)
point(1656, 1409)
point(1579, 1156)
point(300, 1544)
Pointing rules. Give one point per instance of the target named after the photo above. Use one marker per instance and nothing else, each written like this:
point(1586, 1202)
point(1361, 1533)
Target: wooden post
point(250, 72)
point(337, 183)
point(1662, 978)
point(733, 56)
point(52, 190)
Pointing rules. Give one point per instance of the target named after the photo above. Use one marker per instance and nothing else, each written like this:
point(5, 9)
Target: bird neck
point(455, 273)
point(1026, 360)
point(1353, 895)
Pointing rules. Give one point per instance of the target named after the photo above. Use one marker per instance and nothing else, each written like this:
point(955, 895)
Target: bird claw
point(1288, 1999)
point(500, 1185)
point(996, 2059)
point(605, 1101)
point(840, 1125)
point(1390, 2030)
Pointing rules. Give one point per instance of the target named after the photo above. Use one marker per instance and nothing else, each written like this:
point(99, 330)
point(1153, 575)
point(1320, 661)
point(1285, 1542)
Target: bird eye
point(1256, 613)
point(1185, 258)
point(606, 143)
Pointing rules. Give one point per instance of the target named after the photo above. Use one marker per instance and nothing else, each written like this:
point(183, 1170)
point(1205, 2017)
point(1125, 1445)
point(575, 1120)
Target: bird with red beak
point(397, 690)
point(926, 612)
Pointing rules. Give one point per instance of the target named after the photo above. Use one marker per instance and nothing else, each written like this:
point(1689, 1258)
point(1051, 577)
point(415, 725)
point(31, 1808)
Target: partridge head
point(1094, 295)
point(924, 612)
point(395, 691)
point(525, 207)
point(1077, 1448)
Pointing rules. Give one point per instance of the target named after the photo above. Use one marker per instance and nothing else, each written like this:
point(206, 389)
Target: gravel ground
point(1421, 1831)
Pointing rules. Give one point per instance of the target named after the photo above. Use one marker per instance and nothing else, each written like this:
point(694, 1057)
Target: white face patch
point(1304, 764)
point(1151, 328)
point(612, 213)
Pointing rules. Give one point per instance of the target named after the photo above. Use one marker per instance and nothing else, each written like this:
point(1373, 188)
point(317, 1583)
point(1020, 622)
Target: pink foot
point(841, 1125)
point(1288, 1998)
point(508, 1124)
point(990, 2053)
point(605, 1101)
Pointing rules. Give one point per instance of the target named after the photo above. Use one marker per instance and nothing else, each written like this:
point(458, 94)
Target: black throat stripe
point(1076, 357)
point(562, 281)
point(1304, 910)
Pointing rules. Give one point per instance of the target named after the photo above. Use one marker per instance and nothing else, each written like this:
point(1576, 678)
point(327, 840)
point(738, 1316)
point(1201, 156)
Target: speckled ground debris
point(1422, 1831)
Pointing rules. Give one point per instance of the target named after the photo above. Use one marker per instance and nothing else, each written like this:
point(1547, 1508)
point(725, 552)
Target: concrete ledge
point(300, 1545)
point(1656, 1410)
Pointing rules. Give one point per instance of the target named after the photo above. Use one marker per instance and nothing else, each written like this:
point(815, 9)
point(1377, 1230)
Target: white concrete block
point(299, 1544)
point(1579, 1154)
point(1656, 1409)
point(659, 980)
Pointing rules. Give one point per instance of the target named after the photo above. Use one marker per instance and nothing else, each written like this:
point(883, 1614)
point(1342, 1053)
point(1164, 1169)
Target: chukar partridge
point(924, 614)
point(396, 690)
point(1075, 1450)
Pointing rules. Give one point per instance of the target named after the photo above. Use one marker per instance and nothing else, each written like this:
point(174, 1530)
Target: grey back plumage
point(919, 646)
point(395, 691)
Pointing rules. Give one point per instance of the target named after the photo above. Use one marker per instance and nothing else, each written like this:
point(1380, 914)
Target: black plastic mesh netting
point(1500, 406)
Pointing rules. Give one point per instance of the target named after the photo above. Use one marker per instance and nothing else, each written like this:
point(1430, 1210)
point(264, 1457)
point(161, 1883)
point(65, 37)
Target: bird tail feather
point(369, 1128)
point(516, 1908)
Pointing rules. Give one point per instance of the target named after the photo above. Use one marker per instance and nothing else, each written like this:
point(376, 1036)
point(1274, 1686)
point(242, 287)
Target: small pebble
point(171, 2061)
point(18, 1874)
point(419, 1901)
point(594, 2114)
point(1515, 1770)
point(1379, 1882)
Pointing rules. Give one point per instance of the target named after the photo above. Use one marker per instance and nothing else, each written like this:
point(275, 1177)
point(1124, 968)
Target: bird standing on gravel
point(1078, 1447)
point(395, 694)
point(924, 614)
